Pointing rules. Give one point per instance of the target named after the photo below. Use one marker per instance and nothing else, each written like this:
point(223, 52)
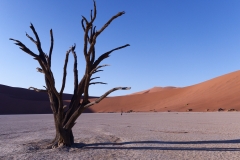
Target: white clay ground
point(144, 136)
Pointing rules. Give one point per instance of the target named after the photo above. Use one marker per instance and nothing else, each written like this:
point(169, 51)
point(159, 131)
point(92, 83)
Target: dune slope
point(220, 92)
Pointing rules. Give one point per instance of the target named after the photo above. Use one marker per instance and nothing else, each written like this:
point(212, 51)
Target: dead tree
point(65, 117)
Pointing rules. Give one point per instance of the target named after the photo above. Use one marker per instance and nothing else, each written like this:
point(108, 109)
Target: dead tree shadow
point(121, 145)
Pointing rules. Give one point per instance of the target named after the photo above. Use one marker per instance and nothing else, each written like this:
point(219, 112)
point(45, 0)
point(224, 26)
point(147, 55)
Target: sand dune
point(23, 101)
point(220, 92)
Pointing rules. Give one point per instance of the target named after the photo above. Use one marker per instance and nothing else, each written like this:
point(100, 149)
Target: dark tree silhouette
point(65, 117)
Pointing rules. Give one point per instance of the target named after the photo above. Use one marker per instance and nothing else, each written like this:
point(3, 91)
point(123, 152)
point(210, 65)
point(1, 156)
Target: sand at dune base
point(171, 135)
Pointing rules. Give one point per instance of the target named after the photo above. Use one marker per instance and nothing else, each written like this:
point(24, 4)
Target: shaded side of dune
point(23, 101)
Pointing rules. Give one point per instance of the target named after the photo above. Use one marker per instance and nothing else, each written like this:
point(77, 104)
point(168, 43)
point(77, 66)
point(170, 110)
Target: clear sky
point(173, 42)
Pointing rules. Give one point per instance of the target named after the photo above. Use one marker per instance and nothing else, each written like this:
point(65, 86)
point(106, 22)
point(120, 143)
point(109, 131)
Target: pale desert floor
point(162, 136)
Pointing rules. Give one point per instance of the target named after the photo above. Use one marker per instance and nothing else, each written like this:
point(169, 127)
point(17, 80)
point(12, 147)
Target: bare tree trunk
point(65, 120)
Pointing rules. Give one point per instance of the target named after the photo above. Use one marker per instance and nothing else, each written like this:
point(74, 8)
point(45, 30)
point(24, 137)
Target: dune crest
point(154, 89)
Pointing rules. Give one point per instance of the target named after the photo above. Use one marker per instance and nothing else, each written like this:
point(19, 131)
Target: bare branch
point(86, 29)
point(108, 22)
point(31, 39)
point(97, 83)
point(37, 90)
point(85, 19)
point(51, 48)
point(106, 55)
point(91, 14)
point(96, 68)
point(102, 29)
point(97, 71)
point(46, 56)
point(39, 70)
point(94, 13)
point(49, 77)
point(86, 86)
point(105, 95)
point(93, 31)
point(35, 33)
point(65, 71)
point(94, 78)
point(70, 122)
point(92, 53)
point(40, 58)
point(24, 48)
point(75, 70)
point(38, 43)
point(82, 22)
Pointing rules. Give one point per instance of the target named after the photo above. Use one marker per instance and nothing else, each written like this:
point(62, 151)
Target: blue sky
point(173, 42)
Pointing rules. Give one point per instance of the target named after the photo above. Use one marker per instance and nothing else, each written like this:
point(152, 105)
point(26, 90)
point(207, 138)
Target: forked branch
point(94, 12)
point(108, 23)
point(24, 48)
point(37, 42)
point(101, 30)
point(100, 70)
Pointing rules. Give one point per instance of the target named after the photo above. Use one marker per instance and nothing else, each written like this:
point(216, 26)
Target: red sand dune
point(220, 92)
